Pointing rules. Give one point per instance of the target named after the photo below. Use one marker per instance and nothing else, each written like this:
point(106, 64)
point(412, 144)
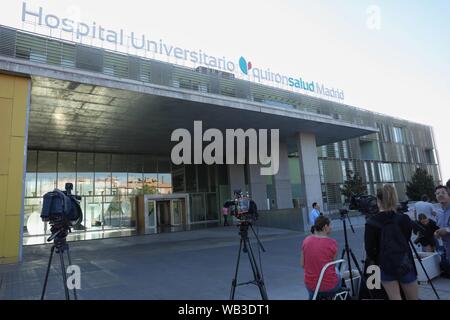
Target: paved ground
point(184, 265)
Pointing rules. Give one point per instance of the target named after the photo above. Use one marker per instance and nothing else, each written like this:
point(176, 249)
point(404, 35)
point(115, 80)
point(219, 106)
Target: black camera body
point(62, 207)
point(366, 204)
point(403, 207)
point(242, 207)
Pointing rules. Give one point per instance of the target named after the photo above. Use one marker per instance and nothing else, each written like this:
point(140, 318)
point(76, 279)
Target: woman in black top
point(376, 228)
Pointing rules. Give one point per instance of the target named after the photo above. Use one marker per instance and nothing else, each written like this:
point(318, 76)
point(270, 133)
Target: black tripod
point(61, 246)
point(247, 248)
point(347, 251)
point(423, 268)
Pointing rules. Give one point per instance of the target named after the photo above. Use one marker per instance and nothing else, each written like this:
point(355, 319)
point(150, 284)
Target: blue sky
point(401, 68)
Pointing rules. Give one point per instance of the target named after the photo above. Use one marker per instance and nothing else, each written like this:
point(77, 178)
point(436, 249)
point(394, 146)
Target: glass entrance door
point(150, 216)
point(176, 211)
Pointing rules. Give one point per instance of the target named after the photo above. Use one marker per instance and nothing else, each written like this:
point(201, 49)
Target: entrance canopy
point(101, 115)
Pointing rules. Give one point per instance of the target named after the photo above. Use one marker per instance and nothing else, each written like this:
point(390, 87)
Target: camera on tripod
point(242, 207)
point(62, 210)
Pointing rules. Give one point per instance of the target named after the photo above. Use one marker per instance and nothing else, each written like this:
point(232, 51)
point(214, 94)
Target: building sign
point(143, 45)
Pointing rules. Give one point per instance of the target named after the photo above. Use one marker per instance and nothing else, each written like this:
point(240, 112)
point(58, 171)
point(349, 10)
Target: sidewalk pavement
point(189, 265)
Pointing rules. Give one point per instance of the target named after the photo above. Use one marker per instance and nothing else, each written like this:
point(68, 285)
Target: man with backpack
point(386, 241)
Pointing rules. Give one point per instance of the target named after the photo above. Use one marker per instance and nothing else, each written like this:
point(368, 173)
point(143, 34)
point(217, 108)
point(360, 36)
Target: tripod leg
point(424, 270)
point(361, 272)
point(63, 270)
point(342, 257)
point(355, 261)
point(257, 239)
point(256, 273)
point(48, 271)
point(350, 270)
point(70, 263)
point(234, 282)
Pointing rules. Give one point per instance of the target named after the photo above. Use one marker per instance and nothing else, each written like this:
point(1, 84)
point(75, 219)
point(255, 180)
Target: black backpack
point(394, 253)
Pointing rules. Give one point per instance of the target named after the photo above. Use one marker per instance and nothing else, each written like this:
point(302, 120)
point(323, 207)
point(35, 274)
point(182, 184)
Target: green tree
point(149, 189)
point(421, 183)
point(353, 185)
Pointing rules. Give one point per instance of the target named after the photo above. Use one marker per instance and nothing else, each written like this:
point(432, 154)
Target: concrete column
point(309, 168)
point(258, 186)
point(282, 181)
point(14, 106)
point(236, 177)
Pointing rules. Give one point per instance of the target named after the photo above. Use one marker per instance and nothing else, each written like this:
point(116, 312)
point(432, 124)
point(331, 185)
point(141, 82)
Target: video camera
point(62, 210)
point(242, 207)
point(366, 204)
point(403, 207)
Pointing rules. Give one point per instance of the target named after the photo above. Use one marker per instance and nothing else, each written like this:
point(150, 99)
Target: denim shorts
point(407, 278)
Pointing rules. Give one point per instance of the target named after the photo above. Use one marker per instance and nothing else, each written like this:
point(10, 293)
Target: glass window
point(150, 175)
point(85, 174)
point(430, 156)
point(113, 211)
point(164, 177)
point(46, 178)
point(30, 177)
point(345, 149)
point(102, 174)
point(94, 207)
point(135, 183)
point(375, 175)
point(32, 161)
point(324, 150)
point(366, 170)
point(386, 172)
point(178, 179)
point(321, 171)
point(212, 212)
point(398, 135)
point(203, 178)
point(197, 208)
point(191, 180)
point(270, 189)
point(336, 149)
point(246, 173)
point(135, 175)
point(351, 166)
point(344, 171)
point(222, 174)
point(66, 169)
point(294, 173)
point(119, 176)
point(30, 184)
point(212, 178)
point(33, 224)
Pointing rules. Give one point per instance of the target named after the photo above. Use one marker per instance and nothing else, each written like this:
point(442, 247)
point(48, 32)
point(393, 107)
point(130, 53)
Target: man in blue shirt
point(315, 212)
point(443, 219)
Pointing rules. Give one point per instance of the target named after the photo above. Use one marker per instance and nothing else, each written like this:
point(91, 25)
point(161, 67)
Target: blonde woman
point(386, 240)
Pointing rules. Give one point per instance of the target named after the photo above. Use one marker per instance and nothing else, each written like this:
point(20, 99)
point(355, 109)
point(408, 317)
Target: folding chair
point(341, 294)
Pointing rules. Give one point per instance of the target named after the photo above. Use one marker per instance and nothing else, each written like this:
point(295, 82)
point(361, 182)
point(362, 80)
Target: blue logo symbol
point(244, 65)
